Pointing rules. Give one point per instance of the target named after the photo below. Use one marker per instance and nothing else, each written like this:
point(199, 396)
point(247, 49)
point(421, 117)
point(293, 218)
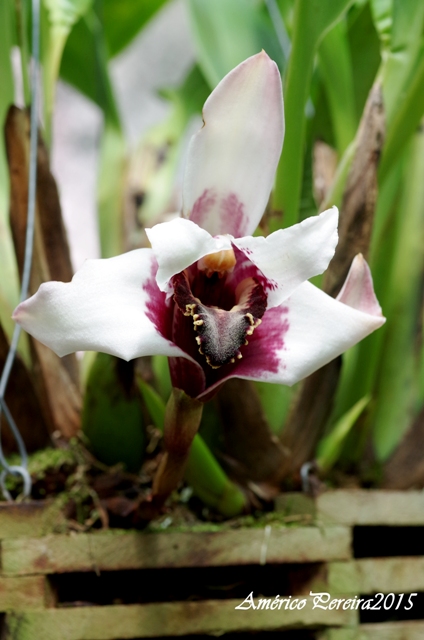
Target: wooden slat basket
point(112, 585)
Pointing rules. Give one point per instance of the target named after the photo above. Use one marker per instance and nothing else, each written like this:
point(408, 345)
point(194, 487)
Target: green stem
point(182, 420)
point(203, 472)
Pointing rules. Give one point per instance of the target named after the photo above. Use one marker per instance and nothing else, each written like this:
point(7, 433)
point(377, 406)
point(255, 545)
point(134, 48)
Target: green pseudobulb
point(112, 417)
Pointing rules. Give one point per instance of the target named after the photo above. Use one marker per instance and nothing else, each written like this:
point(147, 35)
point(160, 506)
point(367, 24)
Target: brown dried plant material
point(360, 194)
point(255, 452)
point(405, 469)
point(324, 170)
point(56, 379)
point(313, 405)
point(24, 405)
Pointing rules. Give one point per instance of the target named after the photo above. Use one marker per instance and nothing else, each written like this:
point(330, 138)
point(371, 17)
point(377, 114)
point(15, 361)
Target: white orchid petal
point(290, 256)
point(112, 305)
point(232, 160)
point(310, 329)
point(358, 290)
point(178, 244)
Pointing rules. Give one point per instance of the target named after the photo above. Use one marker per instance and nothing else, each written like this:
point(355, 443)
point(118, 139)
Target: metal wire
point(29, 242)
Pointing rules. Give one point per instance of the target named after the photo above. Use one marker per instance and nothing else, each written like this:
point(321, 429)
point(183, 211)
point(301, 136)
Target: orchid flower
point(219, 302)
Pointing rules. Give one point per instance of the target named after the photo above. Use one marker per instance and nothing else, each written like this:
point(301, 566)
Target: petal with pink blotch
point(232, 160)
point(309, 329)
point(113, 306)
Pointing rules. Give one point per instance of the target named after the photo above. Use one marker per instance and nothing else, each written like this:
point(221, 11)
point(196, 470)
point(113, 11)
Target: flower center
point(219, 262)
point(221, 333)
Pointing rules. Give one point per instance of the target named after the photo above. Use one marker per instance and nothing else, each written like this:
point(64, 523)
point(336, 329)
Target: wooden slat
point(165, 619)
point(117, 550)
point(413, 630)
point(389, 508)
point(371, 575)
point(26, 592)
point(28, 519)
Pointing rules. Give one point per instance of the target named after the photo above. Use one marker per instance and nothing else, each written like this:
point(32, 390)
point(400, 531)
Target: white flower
point(217, 301)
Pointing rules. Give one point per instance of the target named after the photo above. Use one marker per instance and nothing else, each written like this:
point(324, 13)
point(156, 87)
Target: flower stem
point(182, 419)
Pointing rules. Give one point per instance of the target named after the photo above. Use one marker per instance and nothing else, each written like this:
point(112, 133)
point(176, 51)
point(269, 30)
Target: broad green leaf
point(226, 33)
point(112, 416)
point(154, 404)
point(162, 376)
point(365, 55)
point(210, 483)
point(330, 447)
point(405, 120)
point(360, 363)
point(396, 389)
point(100, 34)
point(336, 69)
point(407, 27)
point(85, 64)
point(312, 20)
point(307, 204)
point(383, 19)
point(321, 126)
point(275, 401)
point(123, 19)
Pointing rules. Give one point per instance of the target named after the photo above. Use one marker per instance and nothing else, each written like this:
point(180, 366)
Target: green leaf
point(336, 69)
point(154, 404)
point(275, 401)
point(210, 483)
point(405, 120)
point(101, 33)
point(396, 389)
point(360, 363)
point(312, 20)
point(112, 416)
point(162, 376)
point(123, 20)
point(85, 64)
point(407, 27)
point(226, 33)
point(383, 19)
point(364, 53)
point(330, 447)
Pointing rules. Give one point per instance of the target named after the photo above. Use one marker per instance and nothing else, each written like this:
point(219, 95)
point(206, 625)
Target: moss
point(254, 521)
point(46, 460)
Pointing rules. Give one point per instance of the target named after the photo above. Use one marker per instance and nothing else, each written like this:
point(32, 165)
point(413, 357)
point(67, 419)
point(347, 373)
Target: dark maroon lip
point(219, 333)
